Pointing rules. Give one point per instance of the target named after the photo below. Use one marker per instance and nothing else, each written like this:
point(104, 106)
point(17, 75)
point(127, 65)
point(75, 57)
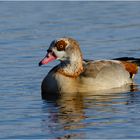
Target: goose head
point(66, 50)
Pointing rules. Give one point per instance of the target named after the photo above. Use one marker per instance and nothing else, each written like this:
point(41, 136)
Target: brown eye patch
point(61, 45)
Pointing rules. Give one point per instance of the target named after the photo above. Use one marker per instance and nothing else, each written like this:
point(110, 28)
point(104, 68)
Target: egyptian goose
point(74, 74)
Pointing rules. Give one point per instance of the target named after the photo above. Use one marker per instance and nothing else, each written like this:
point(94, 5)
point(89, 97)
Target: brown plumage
point(132, 68)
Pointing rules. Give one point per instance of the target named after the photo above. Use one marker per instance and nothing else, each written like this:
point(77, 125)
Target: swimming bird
point(76, 75)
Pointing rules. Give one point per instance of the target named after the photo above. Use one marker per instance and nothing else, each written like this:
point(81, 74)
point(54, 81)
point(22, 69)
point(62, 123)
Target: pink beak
point(48, 58)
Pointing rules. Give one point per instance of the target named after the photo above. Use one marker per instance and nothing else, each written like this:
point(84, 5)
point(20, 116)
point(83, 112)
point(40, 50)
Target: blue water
point(104, 30)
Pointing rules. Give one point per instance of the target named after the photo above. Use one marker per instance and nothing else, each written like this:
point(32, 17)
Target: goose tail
point(129, 59)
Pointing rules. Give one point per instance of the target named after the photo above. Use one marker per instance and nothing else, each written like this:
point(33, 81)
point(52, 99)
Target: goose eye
point(61, 45)
point(60, 48)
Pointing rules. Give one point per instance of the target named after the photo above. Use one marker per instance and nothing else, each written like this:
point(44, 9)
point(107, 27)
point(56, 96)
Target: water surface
point(104, 30)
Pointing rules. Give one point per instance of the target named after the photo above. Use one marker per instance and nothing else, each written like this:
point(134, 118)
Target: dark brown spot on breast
point(61, 45)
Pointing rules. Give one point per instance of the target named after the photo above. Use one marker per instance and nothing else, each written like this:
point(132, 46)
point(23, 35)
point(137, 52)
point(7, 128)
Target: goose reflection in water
point(69, 112)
